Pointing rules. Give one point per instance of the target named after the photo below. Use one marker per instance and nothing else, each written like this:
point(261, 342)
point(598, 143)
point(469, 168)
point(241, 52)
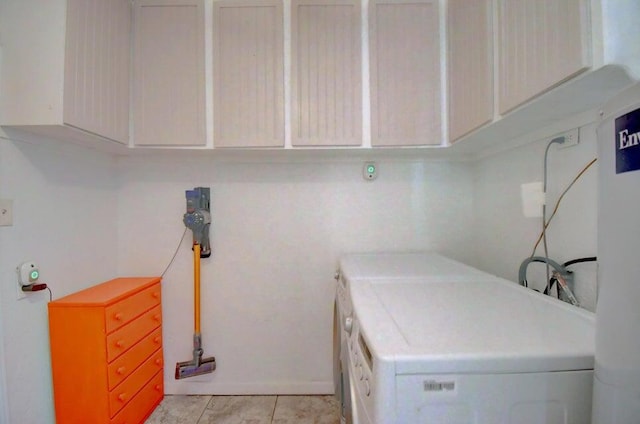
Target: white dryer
point(467, 348)
point(423, 266)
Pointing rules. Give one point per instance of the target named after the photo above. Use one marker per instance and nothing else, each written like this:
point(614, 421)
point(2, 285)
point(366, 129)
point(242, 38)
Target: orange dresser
point(106, 352)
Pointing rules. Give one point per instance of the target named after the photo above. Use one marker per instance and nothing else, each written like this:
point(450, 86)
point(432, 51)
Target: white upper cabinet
point(248, 73)
point(326, 73)
point(168, 73)
point(405, 73)
point(65, 68)
point(541, 44)
point(470, 73)
point(553, 60)
point(470, 67)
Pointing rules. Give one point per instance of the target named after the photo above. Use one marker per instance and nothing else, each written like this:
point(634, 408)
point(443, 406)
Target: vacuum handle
point(196, 287)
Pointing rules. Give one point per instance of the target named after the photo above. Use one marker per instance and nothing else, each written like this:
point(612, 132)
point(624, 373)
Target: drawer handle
point(158, 361)
point(117, 317)
point(119, 343)
point(122, 397)
point(121, 370)
point(157, 340)
point(158, 387)
point(156, 295)
point(156, 318)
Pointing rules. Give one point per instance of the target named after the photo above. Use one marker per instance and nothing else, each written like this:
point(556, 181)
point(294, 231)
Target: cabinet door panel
point(470, 65)
point(169, 89)
point(541, 44)
point(96, 76)
point(405, 73)
point(248, 74)
point(326, 73)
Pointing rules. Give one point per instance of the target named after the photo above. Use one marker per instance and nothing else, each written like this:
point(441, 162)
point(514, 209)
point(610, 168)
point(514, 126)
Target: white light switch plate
point(532, 196)
point(6, 212)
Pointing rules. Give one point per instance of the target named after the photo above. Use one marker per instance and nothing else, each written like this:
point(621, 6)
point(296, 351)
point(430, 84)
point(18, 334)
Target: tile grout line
point(204, 409)
point(273, 413)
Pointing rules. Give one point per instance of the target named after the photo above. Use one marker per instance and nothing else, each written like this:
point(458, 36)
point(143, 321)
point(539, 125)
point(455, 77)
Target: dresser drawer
point(127, 390)
point(142, 404)
point(124, 338)
point(119, 369)
point(128, 309)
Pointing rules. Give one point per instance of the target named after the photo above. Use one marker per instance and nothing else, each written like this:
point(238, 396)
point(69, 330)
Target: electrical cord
point(50, 294)
point(184, 233)
point(555, 209)
point(558, 140)
point(580, 260)
point(553, 282)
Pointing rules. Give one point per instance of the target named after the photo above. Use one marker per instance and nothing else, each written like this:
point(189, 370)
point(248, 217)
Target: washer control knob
point(348, 325)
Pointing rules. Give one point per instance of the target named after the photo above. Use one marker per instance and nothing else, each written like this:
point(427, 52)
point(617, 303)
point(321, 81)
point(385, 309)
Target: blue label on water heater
point(628, 142)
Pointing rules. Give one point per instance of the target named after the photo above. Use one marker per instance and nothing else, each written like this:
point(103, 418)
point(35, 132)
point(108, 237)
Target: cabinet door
point(541, 44)
point(405, 73)
point(326, 73)
point(470, 66)
point(96, 74)
point(248, 74)
point(168, 82)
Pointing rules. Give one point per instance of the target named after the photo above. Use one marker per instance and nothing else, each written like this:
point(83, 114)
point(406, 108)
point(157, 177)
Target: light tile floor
point(179, 409)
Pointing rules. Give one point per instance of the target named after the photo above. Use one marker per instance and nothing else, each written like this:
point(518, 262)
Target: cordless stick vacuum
point(197, 219)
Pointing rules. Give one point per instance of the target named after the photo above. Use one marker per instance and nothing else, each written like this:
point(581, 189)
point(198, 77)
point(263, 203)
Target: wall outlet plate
point(571, 138)
point(19, 293)
point(6, 212)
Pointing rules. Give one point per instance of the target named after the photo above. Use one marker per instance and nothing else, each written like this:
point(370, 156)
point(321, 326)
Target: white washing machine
point(464, 348)
point(342, 312)
point(386, 266)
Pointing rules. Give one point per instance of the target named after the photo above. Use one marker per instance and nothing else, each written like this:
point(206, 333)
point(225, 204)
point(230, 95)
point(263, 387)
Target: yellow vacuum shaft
point(196, 287)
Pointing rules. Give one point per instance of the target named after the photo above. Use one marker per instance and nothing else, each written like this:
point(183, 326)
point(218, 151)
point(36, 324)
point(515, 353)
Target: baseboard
point(199, 387)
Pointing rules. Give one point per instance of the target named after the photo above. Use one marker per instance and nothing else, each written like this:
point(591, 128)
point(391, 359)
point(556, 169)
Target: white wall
point(4, 413)
point(278, 230)
point(65, 219)
point(279, 227)
point(504, 237)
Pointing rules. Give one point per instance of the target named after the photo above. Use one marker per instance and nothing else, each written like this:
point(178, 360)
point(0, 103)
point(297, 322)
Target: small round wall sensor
point(370, 171)
point(28, 273)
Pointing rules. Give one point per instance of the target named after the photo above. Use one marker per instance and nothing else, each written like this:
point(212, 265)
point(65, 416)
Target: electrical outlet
point(571, 138)
point(6, 212)
point(19, 293)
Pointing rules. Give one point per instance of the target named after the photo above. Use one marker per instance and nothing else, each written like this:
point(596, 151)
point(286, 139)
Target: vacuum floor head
point(190, 369)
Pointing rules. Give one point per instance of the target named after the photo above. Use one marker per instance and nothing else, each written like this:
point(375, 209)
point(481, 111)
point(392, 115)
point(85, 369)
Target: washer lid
point(419, 265)
point(481, 327)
